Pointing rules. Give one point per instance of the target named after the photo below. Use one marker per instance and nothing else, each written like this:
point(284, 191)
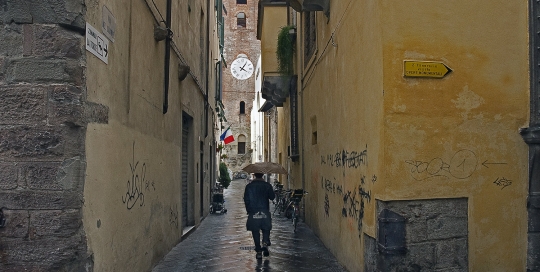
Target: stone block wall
point(436, 236)
point(43, 117)
point(370, 253)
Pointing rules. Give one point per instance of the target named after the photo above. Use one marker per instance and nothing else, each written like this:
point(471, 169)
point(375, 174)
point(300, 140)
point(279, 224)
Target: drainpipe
point(207, 65)
point(531, 136)
point(167, 58)
point(302, 140)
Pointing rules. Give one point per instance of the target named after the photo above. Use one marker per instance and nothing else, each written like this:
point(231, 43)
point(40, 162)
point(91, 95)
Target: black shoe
point(258, 255)
point(265, 249)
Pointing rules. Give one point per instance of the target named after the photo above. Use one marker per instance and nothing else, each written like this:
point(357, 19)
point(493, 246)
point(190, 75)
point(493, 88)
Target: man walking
point(257, 197)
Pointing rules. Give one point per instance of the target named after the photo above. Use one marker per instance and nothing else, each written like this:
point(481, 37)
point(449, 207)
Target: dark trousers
point(257, 238)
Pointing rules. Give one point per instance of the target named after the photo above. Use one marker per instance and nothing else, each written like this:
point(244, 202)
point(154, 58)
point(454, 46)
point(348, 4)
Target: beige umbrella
point(265, 168)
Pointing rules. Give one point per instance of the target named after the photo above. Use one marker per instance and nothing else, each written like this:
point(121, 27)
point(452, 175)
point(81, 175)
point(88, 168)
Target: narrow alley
point(221, 243)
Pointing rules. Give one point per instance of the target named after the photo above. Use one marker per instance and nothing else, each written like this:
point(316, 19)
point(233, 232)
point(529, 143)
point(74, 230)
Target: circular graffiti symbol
point(463, 164)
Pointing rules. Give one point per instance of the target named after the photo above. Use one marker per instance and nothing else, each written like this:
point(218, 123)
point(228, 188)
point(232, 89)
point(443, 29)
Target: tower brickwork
point(238, 94)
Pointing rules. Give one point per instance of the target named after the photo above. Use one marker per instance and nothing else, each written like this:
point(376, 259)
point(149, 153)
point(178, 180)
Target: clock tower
point(242, 68)
point(241, 53)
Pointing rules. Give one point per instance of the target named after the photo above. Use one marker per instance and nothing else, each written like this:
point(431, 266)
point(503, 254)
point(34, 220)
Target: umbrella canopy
point(265, 168)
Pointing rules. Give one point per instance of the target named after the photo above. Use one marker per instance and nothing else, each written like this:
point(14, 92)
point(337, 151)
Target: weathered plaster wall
point(90, 167)
point(342, 99)
point(274, 18)
point(133, 194)
point(458, 136)
point(382, 136)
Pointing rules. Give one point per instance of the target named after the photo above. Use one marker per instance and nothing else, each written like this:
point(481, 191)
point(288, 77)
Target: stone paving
point(221, 243)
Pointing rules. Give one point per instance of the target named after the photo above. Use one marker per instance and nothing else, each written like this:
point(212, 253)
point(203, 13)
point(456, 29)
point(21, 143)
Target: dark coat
point(257, 196)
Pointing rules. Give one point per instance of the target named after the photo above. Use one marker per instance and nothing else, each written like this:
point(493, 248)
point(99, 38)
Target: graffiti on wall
point(346, 159)
point(326, 205)
point(353, 201)
point(502, 182)
point(462, 165)
point(173, 216)
point(136, 184)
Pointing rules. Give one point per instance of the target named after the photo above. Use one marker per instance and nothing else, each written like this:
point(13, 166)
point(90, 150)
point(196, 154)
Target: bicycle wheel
point(277, 207)
point(289, 212)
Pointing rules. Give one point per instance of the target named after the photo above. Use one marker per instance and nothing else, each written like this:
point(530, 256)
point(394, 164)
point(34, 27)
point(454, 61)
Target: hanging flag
point(227, 136)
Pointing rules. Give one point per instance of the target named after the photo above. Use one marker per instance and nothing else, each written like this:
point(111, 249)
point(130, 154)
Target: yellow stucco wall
point(442, 134)
point(133, 205)
point(342, 102)
point(274, 18)
point(409, 138)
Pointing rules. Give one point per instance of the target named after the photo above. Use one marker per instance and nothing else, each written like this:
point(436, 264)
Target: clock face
point(242, 68)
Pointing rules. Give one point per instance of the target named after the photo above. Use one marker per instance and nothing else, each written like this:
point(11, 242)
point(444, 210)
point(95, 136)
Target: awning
point(266, 106)
point(275, 89)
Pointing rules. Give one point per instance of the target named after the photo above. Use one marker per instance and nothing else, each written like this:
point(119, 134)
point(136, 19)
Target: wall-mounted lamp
point(160, 33)
point(183, 71)
point(292, 34)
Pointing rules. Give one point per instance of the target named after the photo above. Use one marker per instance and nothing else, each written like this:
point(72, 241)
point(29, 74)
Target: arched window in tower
point(241, 20)
point(242, 107)
point(241, 2)
point(241, 144)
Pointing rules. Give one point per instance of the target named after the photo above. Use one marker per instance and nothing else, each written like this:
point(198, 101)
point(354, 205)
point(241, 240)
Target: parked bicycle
point(282, 198)
point(292, 211)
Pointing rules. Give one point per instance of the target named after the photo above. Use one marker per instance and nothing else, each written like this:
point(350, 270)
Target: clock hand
point(242, 68)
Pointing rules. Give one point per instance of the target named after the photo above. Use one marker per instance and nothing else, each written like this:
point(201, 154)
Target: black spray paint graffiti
point(461, 166)
point(135, 187)
point(148, 183)
point(326, 205)
point(173, 216)
point(502, 182)
point(353, 201)
point(344, 158)
point(331, 187)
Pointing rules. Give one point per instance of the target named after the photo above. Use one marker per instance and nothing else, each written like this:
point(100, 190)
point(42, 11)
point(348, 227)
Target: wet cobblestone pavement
point(221, 243)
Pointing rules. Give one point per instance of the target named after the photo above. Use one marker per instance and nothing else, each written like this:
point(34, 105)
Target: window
point(241, 147)
point(241, 20)
point(242, 107)
point(241, 144)
point(310, 36)
point(241, 2)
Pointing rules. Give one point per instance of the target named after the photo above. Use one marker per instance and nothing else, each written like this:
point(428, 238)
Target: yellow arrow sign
point(425, 69)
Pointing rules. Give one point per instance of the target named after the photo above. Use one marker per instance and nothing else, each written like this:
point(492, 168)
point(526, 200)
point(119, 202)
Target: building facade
point(241, 46)
point(409, 118)
point(108, 140)
point(257, 120)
